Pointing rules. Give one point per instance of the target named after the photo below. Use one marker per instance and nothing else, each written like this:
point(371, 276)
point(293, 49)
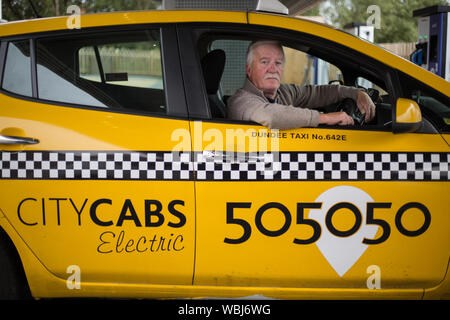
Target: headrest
point(213, 64)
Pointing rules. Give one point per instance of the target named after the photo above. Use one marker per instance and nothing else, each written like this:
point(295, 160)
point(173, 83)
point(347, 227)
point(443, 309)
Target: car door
point(322, 207)
point(88, 174)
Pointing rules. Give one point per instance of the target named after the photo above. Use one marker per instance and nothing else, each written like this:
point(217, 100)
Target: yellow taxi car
point(121, 175)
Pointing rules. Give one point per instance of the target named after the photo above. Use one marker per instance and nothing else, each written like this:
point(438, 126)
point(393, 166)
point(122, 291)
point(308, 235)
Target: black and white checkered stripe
point(95, 165)
point(215, 166)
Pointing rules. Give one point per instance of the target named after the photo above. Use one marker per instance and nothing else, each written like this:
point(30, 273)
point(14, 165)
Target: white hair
point(255, 44)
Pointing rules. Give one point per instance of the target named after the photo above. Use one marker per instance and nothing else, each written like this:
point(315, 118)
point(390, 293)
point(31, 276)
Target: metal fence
point(134, 62)
point(403, 49)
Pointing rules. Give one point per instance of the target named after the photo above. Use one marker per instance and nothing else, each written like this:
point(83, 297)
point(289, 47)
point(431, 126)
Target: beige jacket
point(289, 110)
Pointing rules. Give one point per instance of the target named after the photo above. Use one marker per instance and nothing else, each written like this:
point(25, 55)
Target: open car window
point(303, 68)
point(305, 65)
point(306, 69)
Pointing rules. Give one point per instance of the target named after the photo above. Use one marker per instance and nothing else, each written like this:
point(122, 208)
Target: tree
point(28, 9)
point(397, 23)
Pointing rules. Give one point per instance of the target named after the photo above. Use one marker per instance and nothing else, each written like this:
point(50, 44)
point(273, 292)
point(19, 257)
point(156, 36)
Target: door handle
point(11, 140)
point(224, 156)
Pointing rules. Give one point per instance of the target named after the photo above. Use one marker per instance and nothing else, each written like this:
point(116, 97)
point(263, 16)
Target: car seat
point(213, 65)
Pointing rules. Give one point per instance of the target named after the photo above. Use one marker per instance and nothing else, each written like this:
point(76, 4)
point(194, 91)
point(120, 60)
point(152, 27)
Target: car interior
point(215, 61)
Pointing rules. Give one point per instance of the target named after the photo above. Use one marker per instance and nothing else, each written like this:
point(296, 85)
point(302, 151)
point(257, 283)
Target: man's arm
point(336, 118)
point(323, 95)
point(249, 107)
point(320, 95)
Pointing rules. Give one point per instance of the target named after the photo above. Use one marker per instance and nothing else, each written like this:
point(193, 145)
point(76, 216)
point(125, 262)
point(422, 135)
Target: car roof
point(121, 18)
point(218, 16)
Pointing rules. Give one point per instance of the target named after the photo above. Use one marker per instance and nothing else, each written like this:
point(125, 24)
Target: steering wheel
point(350, 107)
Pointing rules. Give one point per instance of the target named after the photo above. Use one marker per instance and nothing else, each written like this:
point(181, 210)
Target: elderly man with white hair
point(263, 99)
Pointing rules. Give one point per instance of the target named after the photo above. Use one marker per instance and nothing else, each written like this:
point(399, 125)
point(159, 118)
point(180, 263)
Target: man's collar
point(250, 87)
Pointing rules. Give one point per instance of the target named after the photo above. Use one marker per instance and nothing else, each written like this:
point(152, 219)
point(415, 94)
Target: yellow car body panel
point(108, 228)
point(257, 260)
point(121, 18)
point(446, 137)
point(102, 252)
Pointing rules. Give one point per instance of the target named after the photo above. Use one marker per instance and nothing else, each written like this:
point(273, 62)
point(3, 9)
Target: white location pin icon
point(343, 252)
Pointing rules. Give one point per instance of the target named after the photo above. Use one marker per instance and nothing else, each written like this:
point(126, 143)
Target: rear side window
point(119, 70)
point(133, 64)
point(17, 73)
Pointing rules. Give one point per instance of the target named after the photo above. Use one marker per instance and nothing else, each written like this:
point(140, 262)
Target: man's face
point(266, 69)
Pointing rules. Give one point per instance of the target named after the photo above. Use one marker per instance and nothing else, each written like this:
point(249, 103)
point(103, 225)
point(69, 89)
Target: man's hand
point(336, 118)
point(366, 106)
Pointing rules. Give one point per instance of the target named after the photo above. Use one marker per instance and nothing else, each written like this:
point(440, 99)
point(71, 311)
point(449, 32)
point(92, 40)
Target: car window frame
point(198, 107)
point(172, 76)
point(3, 47)
point(101, 72)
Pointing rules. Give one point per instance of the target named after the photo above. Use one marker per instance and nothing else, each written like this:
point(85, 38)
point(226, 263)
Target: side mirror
point(407, 116)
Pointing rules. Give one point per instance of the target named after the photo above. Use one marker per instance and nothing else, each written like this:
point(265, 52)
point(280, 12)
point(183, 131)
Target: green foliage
point(314, 11)
point(23, 9)
point(397, 23)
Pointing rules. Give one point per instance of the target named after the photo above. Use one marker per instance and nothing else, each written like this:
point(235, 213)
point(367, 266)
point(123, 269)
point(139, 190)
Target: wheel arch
point(13, 263)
